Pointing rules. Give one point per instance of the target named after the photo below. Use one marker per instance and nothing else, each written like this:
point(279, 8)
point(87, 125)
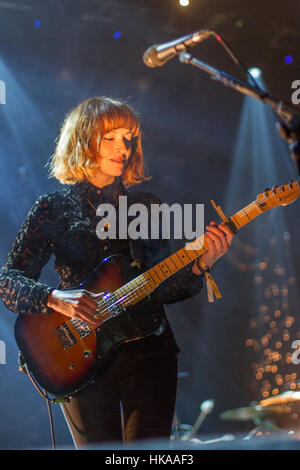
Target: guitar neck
point(143, 285)
point(247, 214)
point(146, 283)
point(278, 196)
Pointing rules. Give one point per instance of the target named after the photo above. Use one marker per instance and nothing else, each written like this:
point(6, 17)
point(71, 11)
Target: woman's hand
point(80, 304)
point(218, 239)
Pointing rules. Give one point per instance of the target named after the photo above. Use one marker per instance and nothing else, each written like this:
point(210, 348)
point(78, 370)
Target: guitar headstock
point(278, 195)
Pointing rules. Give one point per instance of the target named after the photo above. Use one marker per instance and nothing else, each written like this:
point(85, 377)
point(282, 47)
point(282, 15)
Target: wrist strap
point(211, 286)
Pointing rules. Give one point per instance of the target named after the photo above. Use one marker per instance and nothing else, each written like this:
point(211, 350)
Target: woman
point(98, 155)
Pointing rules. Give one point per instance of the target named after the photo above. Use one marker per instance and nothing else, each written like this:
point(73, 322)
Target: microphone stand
point(290, 130)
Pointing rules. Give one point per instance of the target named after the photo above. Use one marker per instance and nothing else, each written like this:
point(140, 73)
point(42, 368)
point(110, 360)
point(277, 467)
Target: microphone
point(159, 54)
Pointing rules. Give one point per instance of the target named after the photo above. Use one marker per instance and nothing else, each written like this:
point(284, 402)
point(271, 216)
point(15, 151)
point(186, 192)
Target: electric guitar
point(63, 354)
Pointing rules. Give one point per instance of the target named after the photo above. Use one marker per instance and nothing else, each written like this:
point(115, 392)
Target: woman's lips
point(120, 161)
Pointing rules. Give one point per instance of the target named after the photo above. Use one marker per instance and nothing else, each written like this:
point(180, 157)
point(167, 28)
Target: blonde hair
point(77, 148)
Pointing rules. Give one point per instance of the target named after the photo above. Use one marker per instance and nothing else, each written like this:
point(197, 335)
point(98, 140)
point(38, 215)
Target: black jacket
point(63, 224)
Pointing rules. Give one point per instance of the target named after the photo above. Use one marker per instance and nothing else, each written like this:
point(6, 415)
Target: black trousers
point(132, 398)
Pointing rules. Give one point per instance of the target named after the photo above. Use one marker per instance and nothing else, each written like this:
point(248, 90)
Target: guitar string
point(143, 287)
point(265, 197)
point(253, 205)
point(106, 307)
point(145, 284)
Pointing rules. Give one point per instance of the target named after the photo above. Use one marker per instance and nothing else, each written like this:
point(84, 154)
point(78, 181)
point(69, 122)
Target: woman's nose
point(121, 145)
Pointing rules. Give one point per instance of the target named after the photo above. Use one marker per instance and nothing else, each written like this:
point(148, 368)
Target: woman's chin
point(117, 172)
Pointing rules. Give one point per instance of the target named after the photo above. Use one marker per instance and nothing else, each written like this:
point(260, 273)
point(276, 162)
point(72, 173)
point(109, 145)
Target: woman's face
point(115, 149)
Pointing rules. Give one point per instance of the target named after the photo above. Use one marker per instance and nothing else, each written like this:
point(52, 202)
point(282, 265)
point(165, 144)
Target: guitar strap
point(211, 286)
point(136, 261)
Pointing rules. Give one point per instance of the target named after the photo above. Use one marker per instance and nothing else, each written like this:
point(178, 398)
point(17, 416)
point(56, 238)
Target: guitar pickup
point(81, 327)
point(65, 336)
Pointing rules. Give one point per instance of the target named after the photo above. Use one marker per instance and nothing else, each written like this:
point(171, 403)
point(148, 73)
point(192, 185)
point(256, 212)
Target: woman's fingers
point(218, 243)
point(85, 297)
point(96, 295)
point(88, 301)
point(218, 240)
point(225, 229)
point(228, 233)
point(79, 304)
point(222, 236)
point(83, 316)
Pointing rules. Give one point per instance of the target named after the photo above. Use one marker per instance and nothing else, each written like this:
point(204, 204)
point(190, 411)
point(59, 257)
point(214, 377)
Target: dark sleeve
point(19, 287)
point(180, 286)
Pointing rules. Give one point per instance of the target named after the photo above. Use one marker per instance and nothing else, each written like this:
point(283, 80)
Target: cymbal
point(283, 399)
point(250, 413)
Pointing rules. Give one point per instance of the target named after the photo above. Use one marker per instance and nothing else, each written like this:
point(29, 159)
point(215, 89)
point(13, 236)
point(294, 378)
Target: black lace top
point(63, 224)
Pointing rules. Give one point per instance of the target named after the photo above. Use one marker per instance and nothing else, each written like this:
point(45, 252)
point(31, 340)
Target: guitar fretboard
point(143, 285)
point(140, 287)
point(245, 215)
point(147, 282)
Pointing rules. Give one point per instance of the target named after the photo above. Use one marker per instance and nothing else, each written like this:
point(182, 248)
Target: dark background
point(199, 144)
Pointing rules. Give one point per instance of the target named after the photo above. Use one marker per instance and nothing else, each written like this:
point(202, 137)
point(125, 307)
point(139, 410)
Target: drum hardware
point(187, 432)
point(255, 413)
point(183, 430)
point(205, 408)
point(274, 414)
point(225, 438)
point(287, 397)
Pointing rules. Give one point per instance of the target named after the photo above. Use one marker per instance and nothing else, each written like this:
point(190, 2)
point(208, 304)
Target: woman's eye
point(108, 138)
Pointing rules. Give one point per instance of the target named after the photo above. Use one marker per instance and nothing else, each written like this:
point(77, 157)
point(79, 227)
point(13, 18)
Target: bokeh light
point(184, 3)
point(255, 72)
